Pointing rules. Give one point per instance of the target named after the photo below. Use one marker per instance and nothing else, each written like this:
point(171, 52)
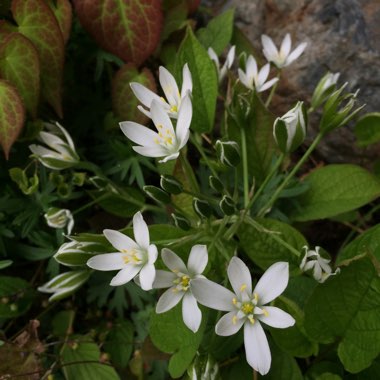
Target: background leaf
point(63, 11)
point(367, 129)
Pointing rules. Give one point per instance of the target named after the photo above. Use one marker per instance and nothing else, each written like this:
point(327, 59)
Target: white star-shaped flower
point(167, 141)
point(169, 86)
point(222, 71)
point(179, 281)
point(283, 57)
point(248, 308)
point(133, 257)
point(252, 78)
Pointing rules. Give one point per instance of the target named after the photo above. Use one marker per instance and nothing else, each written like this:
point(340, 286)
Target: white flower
point(61, 154)
point(252, 78)
point(222, 71)
point(180, 281)
point(247, 308)
point(174, 98)
point(167, 141)
point(133, 257)
point(60, 218)
point(283, 57)
point(321, 268)
point(330, 80)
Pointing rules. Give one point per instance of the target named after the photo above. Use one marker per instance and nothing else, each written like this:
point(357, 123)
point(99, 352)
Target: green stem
point(273, 90)
point(188, 170)
point(203, 154)
point(290, 175)
point(89, 204)
point(245, 165)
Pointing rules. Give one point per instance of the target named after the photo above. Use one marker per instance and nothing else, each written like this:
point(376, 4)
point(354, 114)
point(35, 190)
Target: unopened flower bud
point(215, 183)
point(181, 222)
point(289, 130)
point(171, 184)
point(324, 89)
point(157, 194)
point(228, 152)
point(202, 208)
point(227, 205)
point(60, 218)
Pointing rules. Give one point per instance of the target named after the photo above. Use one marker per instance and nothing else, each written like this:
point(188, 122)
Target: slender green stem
point(273, 90)
point(245, 165)
point(219, 232)
point(93, 202)
point(275, 195)
point(203, 154)
point(188, 170)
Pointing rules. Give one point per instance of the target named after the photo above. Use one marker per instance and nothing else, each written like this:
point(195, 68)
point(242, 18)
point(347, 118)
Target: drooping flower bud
point(60, 218)
point(228, 152)
point(215, 183)
point(171, 184)
point(289, 130)
point(227, 205)
point(157, 194)
point(181, 222)
point(202, 208)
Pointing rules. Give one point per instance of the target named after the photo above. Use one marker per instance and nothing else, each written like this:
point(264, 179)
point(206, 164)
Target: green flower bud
point(227, 205)
point(324, 89)
point(59, 218)
point(289, 130)
point(64, 190)
point(171, 184)
point(202, 208)
point(157, 194)
point(78, 178)
point(228, 152)
point(215, 183)
point(181, 222)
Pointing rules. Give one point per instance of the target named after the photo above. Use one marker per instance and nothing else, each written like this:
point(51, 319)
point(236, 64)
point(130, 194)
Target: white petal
point(140, 231)
point(51, 140)
point(66, 135)
point(152, 254)
point(107, 261)
point(160, 117)
point(198, 258)
point(164, 279)
point(267, 85)
point(276, 318)
point(230, 57)
point(273, 282)
point(251, 67)
point(185, 115)
point(247, 82)
point(169, 86)
point(239, 276)
point(296, 53)
point(138, 133)
point(168, 300)
point(257, 348)
point(213, 56)
point(120, 241)
point(269, 48)
point(144, 111)
point(286, 45)
point(125, 275)
point(143, 94)
point(317, 273)
point(191, 313)
point(187, 82)
point(263, 74)
point(42, 151)
point(151, 151)
point(212, 295)
point(173, 261)
point(147, 276)
point(229, 324)
point(172, 156)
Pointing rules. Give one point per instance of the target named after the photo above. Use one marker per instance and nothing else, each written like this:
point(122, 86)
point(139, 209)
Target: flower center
point(131, 256)
point(182, 283)
point(165, 136)
point(247, 307)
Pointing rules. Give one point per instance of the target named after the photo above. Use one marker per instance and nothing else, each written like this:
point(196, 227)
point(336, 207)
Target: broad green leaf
point(330, 365)
point(37, 22)
point(80, 361)
point(62, 323)
point(169, 334)
point(5, 263)
point(63, 11)
point(12, 116)
point(335, 189)
point(346, 309)
point(19, 64)
point(205, 81)
point(16, 296)
point(367, 243)
point(175, 19)
point(329, 376)
point(130, 29)
point(218, 32)
point(123, 100)
point(367, 129)
point(263, 249)
point(119, 343)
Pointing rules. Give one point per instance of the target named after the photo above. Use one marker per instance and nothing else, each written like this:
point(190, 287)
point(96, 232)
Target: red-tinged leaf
point(193, 5)
point(63, 11)
point(130, 29)
point(12, 116)
point(37, 22)
point(123, 100)
point(19, 64)
point(6, 29)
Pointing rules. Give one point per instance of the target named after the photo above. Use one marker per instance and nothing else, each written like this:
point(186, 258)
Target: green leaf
point(346, 308)
point(205, 81)
point(19, 64)
point(169, 334)
point(367, 129)
point(37, 22)
point(129, 29)
point(27, 185)
point(119, 343)
point(175, 19)
point(124, 101)
point(263, 250)
point(218, 32)
point(16, 296)
point(12, 116)
point(335, 189)
point(5, 263)
point(62, 323)
point(82, 349)
point(63, 12)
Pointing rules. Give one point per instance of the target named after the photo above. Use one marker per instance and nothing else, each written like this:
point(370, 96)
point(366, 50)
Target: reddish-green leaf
point(37, 22)
point(19, 65)
point(193, 5)
point(63, 11)
point(12, 116)
point(129, 29)
point(123, 100)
